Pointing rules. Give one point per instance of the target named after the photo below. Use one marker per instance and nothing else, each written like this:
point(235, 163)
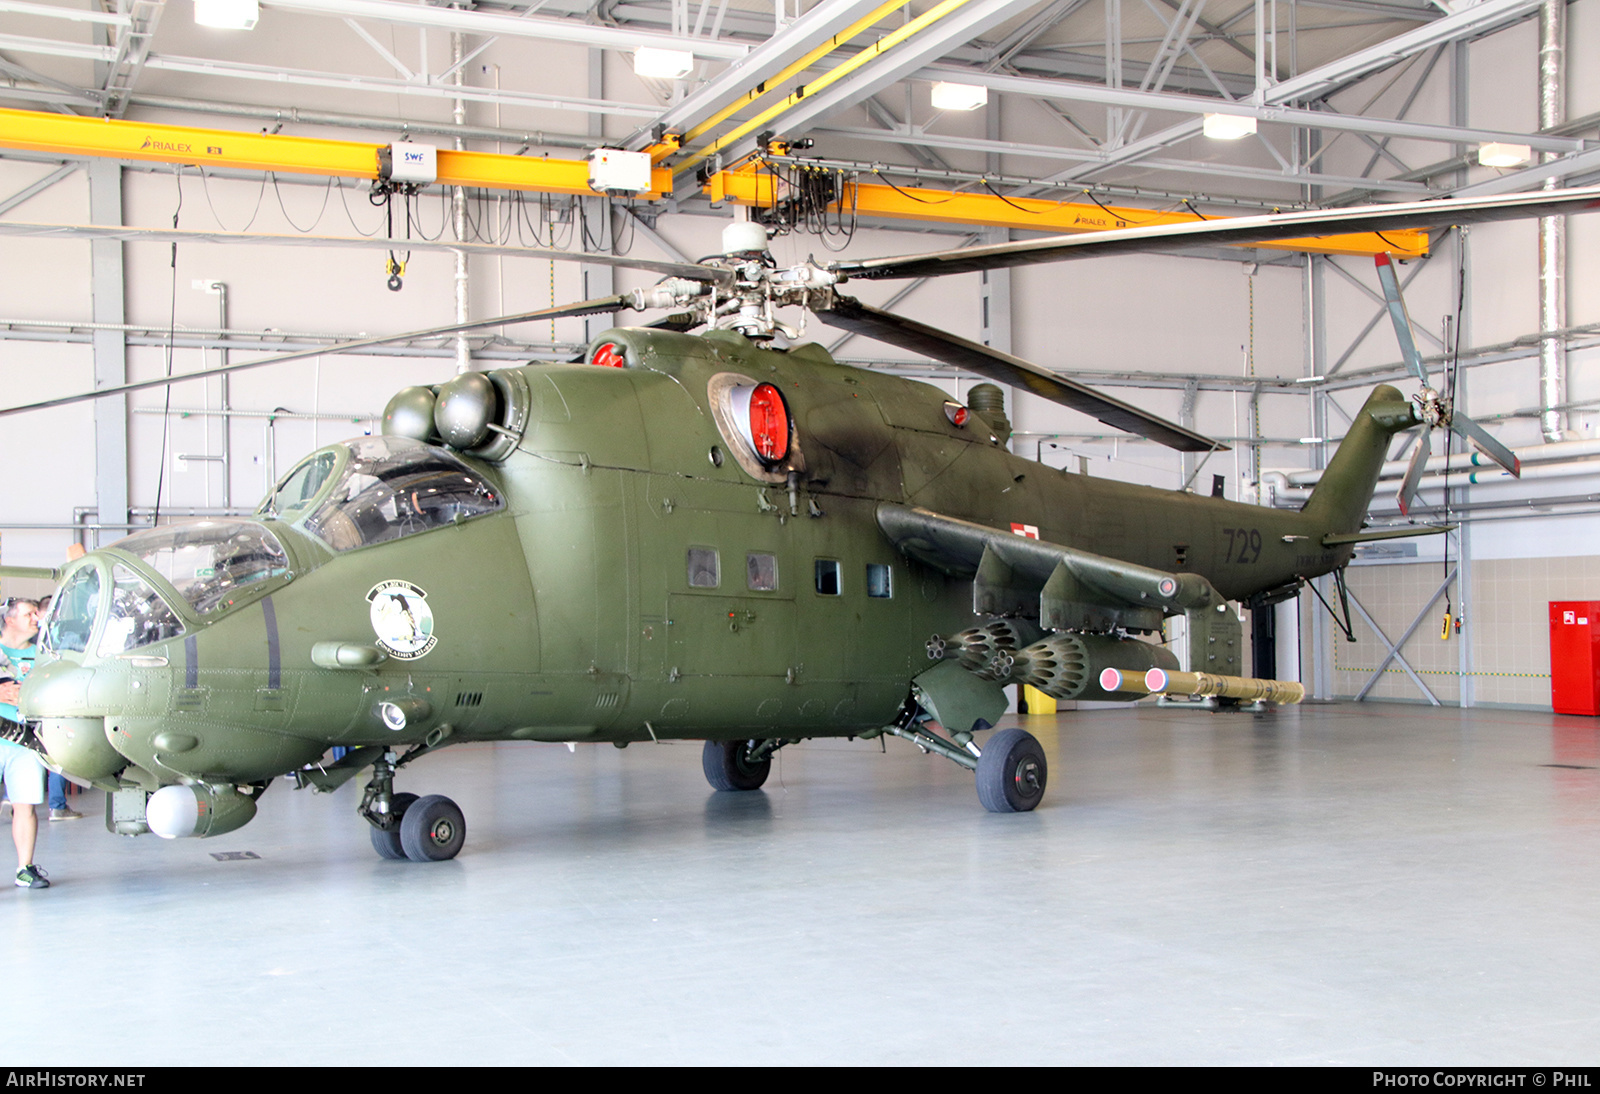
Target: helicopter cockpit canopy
point(375, 489)
point(207, 564)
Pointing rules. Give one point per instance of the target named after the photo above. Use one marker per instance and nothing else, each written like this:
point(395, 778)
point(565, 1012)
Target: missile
point(1248, 689)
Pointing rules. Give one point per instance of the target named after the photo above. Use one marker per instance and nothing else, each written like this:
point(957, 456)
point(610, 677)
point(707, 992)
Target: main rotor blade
point(1173, 238)
point(1419, 460)
point(1400, 317)
point(1486, 444)
point(852, 315)
point(585, 307)
point(688, 270)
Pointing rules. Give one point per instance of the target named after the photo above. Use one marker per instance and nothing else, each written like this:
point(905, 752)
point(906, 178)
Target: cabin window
point(829, 582)
point(880, 585)
point(762, 571)
point(704, 569)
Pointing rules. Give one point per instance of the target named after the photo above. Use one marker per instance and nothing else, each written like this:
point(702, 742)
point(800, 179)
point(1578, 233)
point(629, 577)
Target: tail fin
point(1339, 501)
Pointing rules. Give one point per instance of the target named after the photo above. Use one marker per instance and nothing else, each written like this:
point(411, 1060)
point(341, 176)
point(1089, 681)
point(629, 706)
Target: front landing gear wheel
point(432, 829)
point(1011, 772)
point(387, 843)
point(728, 765)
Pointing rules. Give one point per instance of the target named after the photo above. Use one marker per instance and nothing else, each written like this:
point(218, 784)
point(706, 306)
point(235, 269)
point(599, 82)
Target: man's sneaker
point(66, 812)
point(32, 877)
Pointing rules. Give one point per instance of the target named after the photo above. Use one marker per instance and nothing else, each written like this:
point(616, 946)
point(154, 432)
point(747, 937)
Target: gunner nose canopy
point(207, 564)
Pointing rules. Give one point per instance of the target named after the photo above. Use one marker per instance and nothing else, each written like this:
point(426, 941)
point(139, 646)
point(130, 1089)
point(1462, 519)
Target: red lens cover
point(769, 423)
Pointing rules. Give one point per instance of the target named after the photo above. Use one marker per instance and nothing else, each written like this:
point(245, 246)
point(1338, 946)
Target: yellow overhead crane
point(750, 185)
point(745, 185)
point(131, 140)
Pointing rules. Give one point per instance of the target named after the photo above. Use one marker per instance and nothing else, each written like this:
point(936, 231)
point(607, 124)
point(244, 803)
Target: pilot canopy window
point(393, 487)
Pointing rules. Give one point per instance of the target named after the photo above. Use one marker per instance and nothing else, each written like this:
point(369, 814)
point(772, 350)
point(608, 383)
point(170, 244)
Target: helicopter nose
point(58, 689)
point(73, 735)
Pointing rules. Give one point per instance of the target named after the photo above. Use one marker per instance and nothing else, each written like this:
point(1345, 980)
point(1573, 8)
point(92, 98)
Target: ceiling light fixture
point(1228, 127)
point(959, 96)
point(662, 64)
point(227, 14)
point(1495, 154)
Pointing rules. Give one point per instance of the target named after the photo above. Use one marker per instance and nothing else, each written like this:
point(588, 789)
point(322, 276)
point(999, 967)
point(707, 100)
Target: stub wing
point(1064, 588)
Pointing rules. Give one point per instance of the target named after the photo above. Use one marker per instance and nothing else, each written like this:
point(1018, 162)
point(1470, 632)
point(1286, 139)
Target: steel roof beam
point(760, 64)
point(512, 26)
point(1283, 115)
point(76, 15)
point(132, 48)
point(1012, 148)
point(1482, 17)
point(390, 86)
point(1037, 24)
point(904, 59)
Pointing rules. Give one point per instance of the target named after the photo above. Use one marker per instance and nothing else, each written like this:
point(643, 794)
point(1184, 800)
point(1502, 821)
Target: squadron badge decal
point(402, 619)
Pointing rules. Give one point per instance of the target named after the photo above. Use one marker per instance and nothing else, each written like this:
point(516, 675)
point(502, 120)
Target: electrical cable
point(205, 188)
point(1031, 212)
point(347, 214)
point(283, 209)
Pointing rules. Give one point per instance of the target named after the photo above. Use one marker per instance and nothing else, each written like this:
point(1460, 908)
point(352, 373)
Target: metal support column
point(994, 321)
point(1314, 325)
point(110, 346)
point(1466, 664)
point(593, 217)
point(458, 212)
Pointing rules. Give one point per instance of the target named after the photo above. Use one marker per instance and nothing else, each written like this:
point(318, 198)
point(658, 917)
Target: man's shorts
point(23, 774)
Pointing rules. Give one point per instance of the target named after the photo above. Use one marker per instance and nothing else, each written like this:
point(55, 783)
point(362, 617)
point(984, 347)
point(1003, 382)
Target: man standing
point(22, 772)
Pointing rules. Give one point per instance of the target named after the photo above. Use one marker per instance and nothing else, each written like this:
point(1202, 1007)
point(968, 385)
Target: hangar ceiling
point(1108, 95)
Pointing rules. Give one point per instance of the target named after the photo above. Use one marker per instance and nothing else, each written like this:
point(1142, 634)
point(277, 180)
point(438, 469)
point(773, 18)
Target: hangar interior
point(1079, 114)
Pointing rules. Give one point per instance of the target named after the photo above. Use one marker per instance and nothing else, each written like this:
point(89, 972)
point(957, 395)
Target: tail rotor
point(1432, 409)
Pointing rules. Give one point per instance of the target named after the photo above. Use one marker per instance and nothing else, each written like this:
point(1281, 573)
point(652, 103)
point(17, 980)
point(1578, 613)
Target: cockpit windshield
point(392, 487)
point(211, 561)
point(299, 487)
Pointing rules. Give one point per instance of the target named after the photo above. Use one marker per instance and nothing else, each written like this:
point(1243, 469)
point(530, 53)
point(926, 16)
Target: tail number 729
point(1244, 545)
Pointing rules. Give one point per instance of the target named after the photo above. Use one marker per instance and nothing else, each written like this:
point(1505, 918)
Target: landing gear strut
point(1010, 769)
point(405, 826)
point(738, 765)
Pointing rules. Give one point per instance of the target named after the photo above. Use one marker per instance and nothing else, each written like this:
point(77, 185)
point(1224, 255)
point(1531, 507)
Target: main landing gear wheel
point(387, 843)
point(728, 765)
point(432, 829)
point(1011, 772)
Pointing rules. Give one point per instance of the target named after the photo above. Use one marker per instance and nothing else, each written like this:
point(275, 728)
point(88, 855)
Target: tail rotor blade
point(1419, 460)
point(1400, 317)
point(1486, 444)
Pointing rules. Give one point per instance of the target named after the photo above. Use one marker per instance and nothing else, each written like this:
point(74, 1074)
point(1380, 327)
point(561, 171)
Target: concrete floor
point(1350, 884)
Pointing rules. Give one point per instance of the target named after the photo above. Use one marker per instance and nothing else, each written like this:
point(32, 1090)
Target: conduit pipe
point(1552, 230)
point(1394, 469)
point(1281, 492)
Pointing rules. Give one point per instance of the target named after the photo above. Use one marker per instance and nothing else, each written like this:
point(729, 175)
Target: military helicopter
point(702, 536)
